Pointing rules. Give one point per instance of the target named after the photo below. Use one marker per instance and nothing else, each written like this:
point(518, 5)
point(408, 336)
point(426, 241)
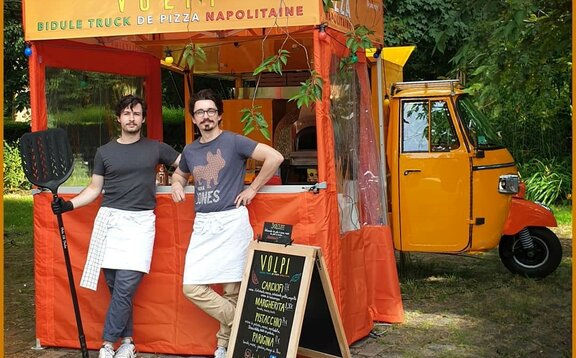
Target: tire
point(538, 262)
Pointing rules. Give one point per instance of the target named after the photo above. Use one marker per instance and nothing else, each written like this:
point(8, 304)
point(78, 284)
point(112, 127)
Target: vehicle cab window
point(427, 127)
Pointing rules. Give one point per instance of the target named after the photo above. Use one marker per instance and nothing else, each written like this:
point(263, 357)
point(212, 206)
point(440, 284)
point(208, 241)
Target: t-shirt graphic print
point(218, 168)
point(206, 178)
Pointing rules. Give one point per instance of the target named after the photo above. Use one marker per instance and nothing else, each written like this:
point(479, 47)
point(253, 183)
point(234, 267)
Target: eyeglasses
point(201, 112)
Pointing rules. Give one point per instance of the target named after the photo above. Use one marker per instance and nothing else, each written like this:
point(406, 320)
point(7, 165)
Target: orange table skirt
point(361, 267)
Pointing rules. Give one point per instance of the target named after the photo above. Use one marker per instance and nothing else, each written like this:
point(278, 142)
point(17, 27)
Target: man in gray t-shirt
point(124, 229)
point(222, 231)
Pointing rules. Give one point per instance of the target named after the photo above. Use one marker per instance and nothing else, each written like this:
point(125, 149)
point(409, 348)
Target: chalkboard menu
point(269, 304)
point(277, 233)
point(274, 306)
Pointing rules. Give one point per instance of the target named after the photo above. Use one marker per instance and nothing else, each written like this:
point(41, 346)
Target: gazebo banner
point(67, 19)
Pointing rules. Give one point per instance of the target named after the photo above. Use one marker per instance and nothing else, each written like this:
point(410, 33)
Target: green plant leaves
point(192, 53)
point(310, 91)
point(14, 177)
point(548, 181)
point(358, 39)
point(254, 119)
point(327, 5)
point(273, 63)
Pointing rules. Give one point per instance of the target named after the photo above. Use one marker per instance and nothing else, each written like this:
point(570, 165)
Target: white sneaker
point(107, 351)
point(126, 350)
point(220, 352)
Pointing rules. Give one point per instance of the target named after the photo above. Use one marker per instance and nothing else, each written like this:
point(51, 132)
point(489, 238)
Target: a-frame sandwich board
point(286, 306)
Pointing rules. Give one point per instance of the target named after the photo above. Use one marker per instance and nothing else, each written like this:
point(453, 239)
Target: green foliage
point(358, 39)
point(548, 182)
point(16, 95)
point(518, 61)
point(84, 116)
point(14, 177)
point(192, 53)
point(327, 5)
point(563, 215)
point(310, 91)
point(14, 130)
point(252, 119)
point(172, 115)
point(435, 27)
point(174, 127)
point(515, 56)
point(80, 175)
point(67, 90)
point(273, 63)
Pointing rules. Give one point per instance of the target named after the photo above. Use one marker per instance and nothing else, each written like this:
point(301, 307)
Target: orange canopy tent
point(130, 38)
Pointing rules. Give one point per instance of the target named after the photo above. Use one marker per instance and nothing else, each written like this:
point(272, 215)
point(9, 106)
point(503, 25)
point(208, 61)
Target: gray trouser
point(122, 285)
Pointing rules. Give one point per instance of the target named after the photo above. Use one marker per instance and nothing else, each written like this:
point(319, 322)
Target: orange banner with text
point(67, 19)
point(345, 14)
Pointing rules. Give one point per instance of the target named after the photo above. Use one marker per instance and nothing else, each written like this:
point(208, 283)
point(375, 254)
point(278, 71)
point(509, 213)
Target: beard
point(208, 125)
point(131, 129)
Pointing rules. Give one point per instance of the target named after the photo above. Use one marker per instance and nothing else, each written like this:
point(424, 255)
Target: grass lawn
point(18, 272)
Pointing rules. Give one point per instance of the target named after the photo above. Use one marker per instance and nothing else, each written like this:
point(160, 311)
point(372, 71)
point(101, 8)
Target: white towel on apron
point(121, 240)
point(218, 247)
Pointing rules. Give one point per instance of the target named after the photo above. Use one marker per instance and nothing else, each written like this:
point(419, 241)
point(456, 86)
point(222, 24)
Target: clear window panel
point(415, 126)
point(442, 135)
point(344, 111)
point(82, 103)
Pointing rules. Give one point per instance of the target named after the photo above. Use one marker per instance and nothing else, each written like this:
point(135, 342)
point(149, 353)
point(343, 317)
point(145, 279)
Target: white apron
point(218, 247)
point(121, 240)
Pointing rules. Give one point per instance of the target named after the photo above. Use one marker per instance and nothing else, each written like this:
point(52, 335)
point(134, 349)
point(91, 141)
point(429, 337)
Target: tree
point(515, 57)
point(16, 95)
point(435, 27)
point(518, 62)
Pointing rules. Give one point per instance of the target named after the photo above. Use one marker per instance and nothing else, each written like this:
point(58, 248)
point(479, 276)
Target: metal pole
point(384, 180)
point(81, 336)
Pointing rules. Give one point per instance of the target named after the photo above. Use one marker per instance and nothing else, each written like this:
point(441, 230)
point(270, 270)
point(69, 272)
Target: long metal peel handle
point(81, 336)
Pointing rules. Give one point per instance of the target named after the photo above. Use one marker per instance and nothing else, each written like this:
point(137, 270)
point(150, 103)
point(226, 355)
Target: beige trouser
point(219, 307)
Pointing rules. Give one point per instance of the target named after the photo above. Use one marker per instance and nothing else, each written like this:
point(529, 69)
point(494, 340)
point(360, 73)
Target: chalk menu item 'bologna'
point(269, 305)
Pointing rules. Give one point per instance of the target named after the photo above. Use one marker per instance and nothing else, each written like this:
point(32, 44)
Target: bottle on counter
point(161, 175)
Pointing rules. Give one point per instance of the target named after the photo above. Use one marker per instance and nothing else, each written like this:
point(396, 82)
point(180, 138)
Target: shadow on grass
point(462, 306)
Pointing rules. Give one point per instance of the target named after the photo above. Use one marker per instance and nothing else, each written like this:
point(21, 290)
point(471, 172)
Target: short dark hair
point(129, 101)
point(203, 95)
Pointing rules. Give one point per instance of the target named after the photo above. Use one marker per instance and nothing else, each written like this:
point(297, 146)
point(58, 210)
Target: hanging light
point(322, 35)
point(168, 59)
point(28, 50)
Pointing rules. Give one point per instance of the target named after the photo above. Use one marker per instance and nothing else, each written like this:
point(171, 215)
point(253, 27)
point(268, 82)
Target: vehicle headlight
point(508, 184)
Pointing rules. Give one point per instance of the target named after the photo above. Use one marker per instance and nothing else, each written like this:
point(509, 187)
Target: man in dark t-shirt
point(222, 231)
point(124, 229)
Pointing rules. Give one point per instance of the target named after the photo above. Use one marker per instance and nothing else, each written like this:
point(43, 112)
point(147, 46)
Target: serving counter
point(164, 321)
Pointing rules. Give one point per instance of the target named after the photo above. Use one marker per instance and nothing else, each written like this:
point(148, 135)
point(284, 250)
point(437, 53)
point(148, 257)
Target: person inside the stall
point(221, 231)
point(124, 228)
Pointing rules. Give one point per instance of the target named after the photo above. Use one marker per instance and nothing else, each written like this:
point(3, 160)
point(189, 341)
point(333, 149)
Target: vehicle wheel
point(538, 262)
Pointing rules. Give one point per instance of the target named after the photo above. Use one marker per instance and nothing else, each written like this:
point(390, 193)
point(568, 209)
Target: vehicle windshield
point(477, 124)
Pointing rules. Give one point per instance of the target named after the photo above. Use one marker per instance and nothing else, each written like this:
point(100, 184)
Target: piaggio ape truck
point(454, 187)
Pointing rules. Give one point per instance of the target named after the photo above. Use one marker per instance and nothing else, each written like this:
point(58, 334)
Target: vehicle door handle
point(408, 171)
